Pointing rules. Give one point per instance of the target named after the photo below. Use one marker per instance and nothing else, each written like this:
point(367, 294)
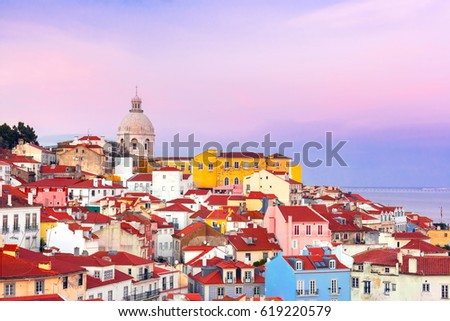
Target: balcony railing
point(335, 292)
point(142, 296)
point(307, 292)
point(31, 227)
point(5, 230)
point(16, 228)
point(145, 276)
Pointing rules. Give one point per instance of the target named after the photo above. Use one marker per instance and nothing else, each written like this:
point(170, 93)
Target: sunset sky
point(376, 73)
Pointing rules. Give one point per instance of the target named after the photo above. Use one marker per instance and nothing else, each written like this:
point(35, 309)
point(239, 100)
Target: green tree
point(9, 137)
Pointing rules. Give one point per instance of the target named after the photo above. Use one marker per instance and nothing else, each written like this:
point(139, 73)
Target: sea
point(424, 201)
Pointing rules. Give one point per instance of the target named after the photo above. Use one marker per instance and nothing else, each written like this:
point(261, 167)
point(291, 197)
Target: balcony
point(307, 292)
point(335, 291)
point(16, 228)
point(5, 230)
point(145, 276)
point(145, 296)
point(31, 228)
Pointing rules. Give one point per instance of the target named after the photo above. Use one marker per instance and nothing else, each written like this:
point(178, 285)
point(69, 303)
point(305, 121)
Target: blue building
point(316, 275)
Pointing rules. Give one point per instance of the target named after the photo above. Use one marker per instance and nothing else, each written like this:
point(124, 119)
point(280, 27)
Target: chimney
point(45, 265)
point(95, 183)
point(9, 200)
point(30, 198)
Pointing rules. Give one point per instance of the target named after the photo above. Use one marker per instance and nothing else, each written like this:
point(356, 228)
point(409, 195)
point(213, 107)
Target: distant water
point(423, 201)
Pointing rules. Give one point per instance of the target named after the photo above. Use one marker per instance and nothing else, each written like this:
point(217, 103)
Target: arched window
point(236, 181)
point(226, 181)
point(134, 143)
point(147, 144)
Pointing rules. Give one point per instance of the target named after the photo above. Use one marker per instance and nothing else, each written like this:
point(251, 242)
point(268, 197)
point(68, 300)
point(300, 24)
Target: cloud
point(366, 13)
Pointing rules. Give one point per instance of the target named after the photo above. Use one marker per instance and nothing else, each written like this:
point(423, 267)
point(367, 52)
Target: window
point(247, 276)
point(227, 165)
point(265, 255)
point(110, 295)
point(5, 224)
point(256, 291)
point(393, 287)
point(320, 230)
point(34, 220)
point(171, 282)
point(332, 264)
point(226, 181)
point(386, 270)
point(220, 293)
point(355, 282)
point(296, 229)
point(16, 223)
point(164, 284)
point(387, 288)
point(129, 270)
point(108, 275)
point(360, 267)
point(238, 290)
point(229, 277)
point(444, 291)
point(65, 282)
point(125, 291)
point(246, 165)
point(308, 229)
point(299, 265)
point(248, 256)
point(27, 221)
point(99, 295)
point(255, 165)
point(312, 287)
point(80, 279)
point(200, 166)
point(366, 287)
point(10, 289)
point(334, 286)
point(93, 193)
point(210, 166)
point(345, 236)
point(97, 274)
point(236, 181)
point(425, 287)
point(236, 165)
point(294, 244)
point(300, 287)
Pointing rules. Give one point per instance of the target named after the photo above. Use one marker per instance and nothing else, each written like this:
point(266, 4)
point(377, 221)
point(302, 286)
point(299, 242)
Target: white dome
point(136, 124)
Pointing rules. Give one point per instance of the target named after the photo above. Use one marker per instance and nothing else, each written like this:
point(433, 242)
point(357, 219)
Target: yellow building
point(91, 158)
point(182, 163)
point(439, 237)
point(47, 223)
point(26, 273)
point(212, 168)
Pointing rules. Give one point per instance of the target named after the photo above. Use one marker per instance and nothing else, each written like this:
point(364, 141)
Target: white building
point(141, 183)
point(136, 132)
point(20, 221)
point(164, 240)
point(168, 183)
point(90, 191)
point(72, 238)
point(5, 172)
point(177, 214)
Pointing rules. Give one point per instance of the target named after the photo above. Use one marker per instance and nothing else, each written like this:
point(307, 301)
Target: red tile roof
point(410, 236)
point(143, 177)
point(197, 192)
point(217, 200)
point(423, 246)
point(168, 169)
point(313, 262)
point(203, 212)
point(90, 138)
point(427, 265)
point(198, 262)
point(189, 229)
point(122, 258)
point(57, 169)
point(301, 213)
point(48, 212)
point(186, 296)
point(254, 239)
point(85, 261)
point(37, 297)
point(182, 201)
point(95, 218)
point(216, 278)
point(130, 229)
point(92, 282)
point(175, 208)
point(237, 198)
point(54, 182)
point(386, 257)
point(13, 158)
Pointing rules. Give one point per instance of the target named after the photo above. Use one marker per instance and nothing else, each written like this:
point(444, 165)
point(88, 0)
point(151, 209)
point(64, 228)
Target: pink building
point(296, 226)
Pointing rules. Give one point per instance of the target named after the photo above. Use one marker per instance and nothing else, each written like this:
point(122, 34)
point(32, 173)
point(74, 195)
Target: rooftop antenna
point(136, 90)
point(441, 214)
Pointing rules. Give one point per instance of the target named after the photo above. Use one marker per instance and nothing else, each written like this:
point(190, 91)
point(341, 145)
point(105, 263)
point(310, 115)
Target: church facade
point(136, 134)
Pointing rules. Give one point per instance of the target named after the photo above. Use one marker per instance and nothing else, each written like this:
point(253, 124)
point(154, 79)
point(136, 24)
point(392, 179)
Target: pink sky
point(227, 71)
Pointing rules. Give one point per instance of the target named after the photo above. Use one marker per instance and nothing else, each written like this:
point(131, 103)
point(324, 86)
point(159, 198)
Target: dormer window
point(299, 265)
point(332, 264)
